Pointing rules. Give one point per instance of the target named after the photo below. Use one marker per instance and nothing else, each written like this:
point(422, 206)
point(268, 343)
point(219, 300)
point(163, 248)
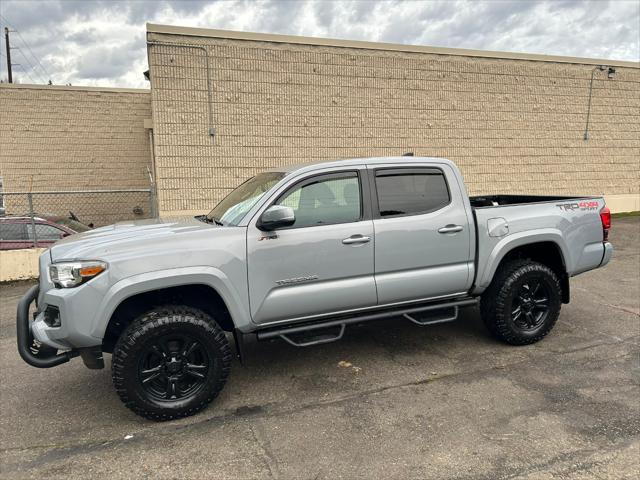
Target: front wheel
point(171, 362)
point(523, 302)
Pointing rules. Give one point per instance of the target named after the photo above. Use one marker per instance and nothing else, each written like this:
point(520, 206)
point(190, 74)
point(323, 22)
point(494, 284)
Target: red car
point(18, 232)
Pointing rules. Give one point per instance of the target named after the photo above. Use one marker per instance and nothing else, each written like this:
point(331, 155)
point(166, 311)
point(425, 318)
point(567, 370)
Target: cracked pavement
point(406, 402)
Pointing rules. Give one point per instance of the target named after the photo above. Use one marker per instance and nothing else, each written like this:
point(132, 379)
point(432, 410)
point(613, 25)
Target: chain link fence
point(38, 219)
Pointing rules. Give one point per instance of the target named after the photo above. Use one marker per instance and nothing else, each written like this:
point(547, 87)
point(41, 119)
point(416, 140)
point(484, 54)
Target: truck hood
point(103, 241)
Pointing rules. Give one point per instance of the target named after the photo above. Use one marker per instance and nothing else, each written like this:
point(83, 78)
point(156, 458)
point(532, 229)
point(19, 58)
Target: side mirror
point(276, 216)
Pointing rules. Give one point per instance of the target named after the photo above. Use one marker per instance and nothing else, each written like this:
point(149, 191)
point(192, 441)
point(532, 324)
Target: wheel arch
point(200, 296)
point(129, 298)
point(547, 249)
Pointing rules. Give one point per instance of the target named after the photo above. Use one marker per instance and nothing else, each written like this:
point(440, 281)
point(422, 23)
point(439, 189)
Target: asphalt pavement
point(391, 400)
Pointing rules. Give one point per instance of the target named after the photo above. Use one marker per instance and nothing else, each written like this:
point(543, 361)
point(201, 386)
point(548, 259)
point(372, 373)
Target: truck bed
point(507, 221)
point(501, 200)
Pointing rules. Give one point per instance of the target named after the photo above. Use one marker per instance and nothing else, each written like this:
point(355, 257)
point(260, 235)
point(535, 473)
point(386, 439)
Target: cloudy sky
point(86, 42)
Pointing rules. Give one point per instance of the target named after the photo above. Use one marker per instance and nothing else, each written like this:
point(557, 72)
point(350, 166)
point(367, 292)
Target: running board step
point(443, 315)
point(318, 337)
point(306, 335)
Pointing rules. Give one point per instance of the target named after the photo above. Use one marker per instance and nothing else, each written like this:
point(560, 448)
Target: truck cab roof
point(301, 167)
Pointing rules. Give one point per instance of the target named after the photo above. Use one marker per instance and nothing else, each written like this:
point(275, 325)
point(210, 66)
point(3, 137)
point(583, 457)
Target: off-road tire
point(158, 325)
point(496, 302)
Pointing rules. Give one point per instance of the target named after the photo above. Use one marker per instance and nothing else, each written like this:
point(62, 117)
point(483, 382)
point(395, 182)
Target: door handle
point(354, 239)
point(450, 229)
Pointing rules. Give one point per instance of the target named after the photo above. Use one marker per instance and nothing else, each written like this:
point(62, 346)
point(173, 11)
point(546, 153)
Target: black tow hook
point(25, 337)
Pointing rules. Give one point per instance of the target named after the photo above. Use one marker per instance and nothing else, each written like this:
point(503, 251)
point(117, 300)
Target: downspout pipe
point(593, 72)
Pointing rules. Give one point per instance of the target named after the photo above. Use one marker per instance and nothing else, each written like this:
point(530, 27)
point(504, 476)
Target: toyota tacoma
point(299, 254)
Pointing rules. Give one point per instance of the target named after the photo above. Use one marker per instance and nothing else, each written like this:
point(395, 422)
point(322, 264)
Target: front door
point(323, 263)
point(423, 240)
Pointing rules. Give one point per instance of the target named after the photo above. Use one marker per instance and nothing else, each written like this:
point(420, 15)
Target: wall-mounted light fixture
point(611, 72)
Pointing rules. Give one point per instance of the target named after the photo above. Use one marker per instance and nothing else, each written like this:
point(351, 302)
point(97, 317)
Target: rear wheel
point(523, 302)
point(170, 362)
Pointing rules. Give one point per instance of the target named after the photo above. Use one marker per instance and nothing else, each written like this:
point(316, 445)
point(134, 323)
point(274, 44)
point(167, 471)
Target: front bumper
point(38, 350)
point(77, 308)
point(28, 350)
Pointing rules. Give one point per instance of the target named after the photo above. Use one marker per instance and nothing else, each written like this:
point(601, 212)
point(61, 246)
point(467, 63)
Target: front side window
point(325, 200)
point(410, 192)
point(235, 206)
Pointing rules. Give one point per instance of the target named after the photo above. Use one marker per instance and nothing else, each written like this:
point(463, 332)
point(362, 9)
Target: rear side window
point(45, 232)
point(411, 191)
point(12, 231)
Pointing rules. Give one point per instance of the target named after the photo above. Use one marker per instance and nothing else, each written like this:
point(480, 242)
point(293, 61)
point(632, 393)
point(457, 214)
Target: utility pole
point(6, 40)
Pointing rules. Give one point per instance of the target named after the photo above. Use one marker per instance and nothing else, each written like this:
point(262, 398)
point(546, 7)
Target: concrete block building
point(225, 105)
point(75, 139)
point(66, 138)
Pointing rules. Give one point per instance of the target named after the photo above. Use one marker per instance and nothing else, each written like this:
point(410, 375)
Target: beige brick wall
point(512, 126)
point(75, 138)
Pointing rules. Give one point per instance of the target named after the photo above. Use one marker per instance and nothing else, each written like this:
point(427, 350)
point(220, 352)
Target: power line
point(10, 64)
point(33, 69)
point(24, 71)
point(24, 42)
point(32, 54)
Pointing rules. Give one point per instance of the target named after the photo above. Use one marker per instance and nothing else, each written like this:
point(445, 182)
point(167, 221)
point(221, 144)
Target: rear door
point(324, 262)
point(423, 238)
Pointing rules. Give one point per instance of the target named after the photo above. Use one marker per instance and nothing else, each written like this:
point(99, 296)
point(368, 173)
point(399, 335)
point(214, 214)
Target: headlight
point(72, 274)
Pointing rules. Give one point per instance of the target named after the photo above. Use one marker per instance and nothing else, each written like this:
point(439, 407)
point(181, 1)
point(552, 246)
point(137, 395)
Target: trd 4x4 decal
point(585, 205)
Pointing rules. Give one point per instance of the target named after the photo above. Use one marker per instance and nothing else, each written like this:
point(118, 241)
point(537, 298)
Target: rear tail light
point(605, 218)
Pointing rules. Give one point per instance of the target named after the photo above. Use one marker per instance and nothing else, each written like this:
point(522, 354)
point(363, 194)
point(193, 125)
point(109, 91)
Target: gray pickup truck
point(300, 254)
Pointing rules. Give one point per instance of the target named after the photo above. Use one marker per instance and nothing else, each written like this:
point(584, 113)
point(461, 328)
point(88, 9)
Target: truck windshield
point(235, 205)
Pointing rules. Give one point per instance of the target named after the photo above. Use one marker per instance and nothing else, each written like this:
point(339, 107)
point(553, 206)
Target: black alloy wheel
point(170, 362)
point(523, 302)
point(530, 305)
point(174, 367)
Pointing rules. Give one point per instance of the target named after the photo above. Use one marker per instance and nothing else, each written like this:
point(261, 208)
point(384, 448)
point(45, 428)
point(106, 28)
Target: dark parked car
point(18, 232)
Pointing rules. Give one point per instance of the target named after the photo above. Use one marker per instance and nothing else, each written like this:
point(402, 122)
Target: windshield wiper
point(206, 219)
point(214, 220)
